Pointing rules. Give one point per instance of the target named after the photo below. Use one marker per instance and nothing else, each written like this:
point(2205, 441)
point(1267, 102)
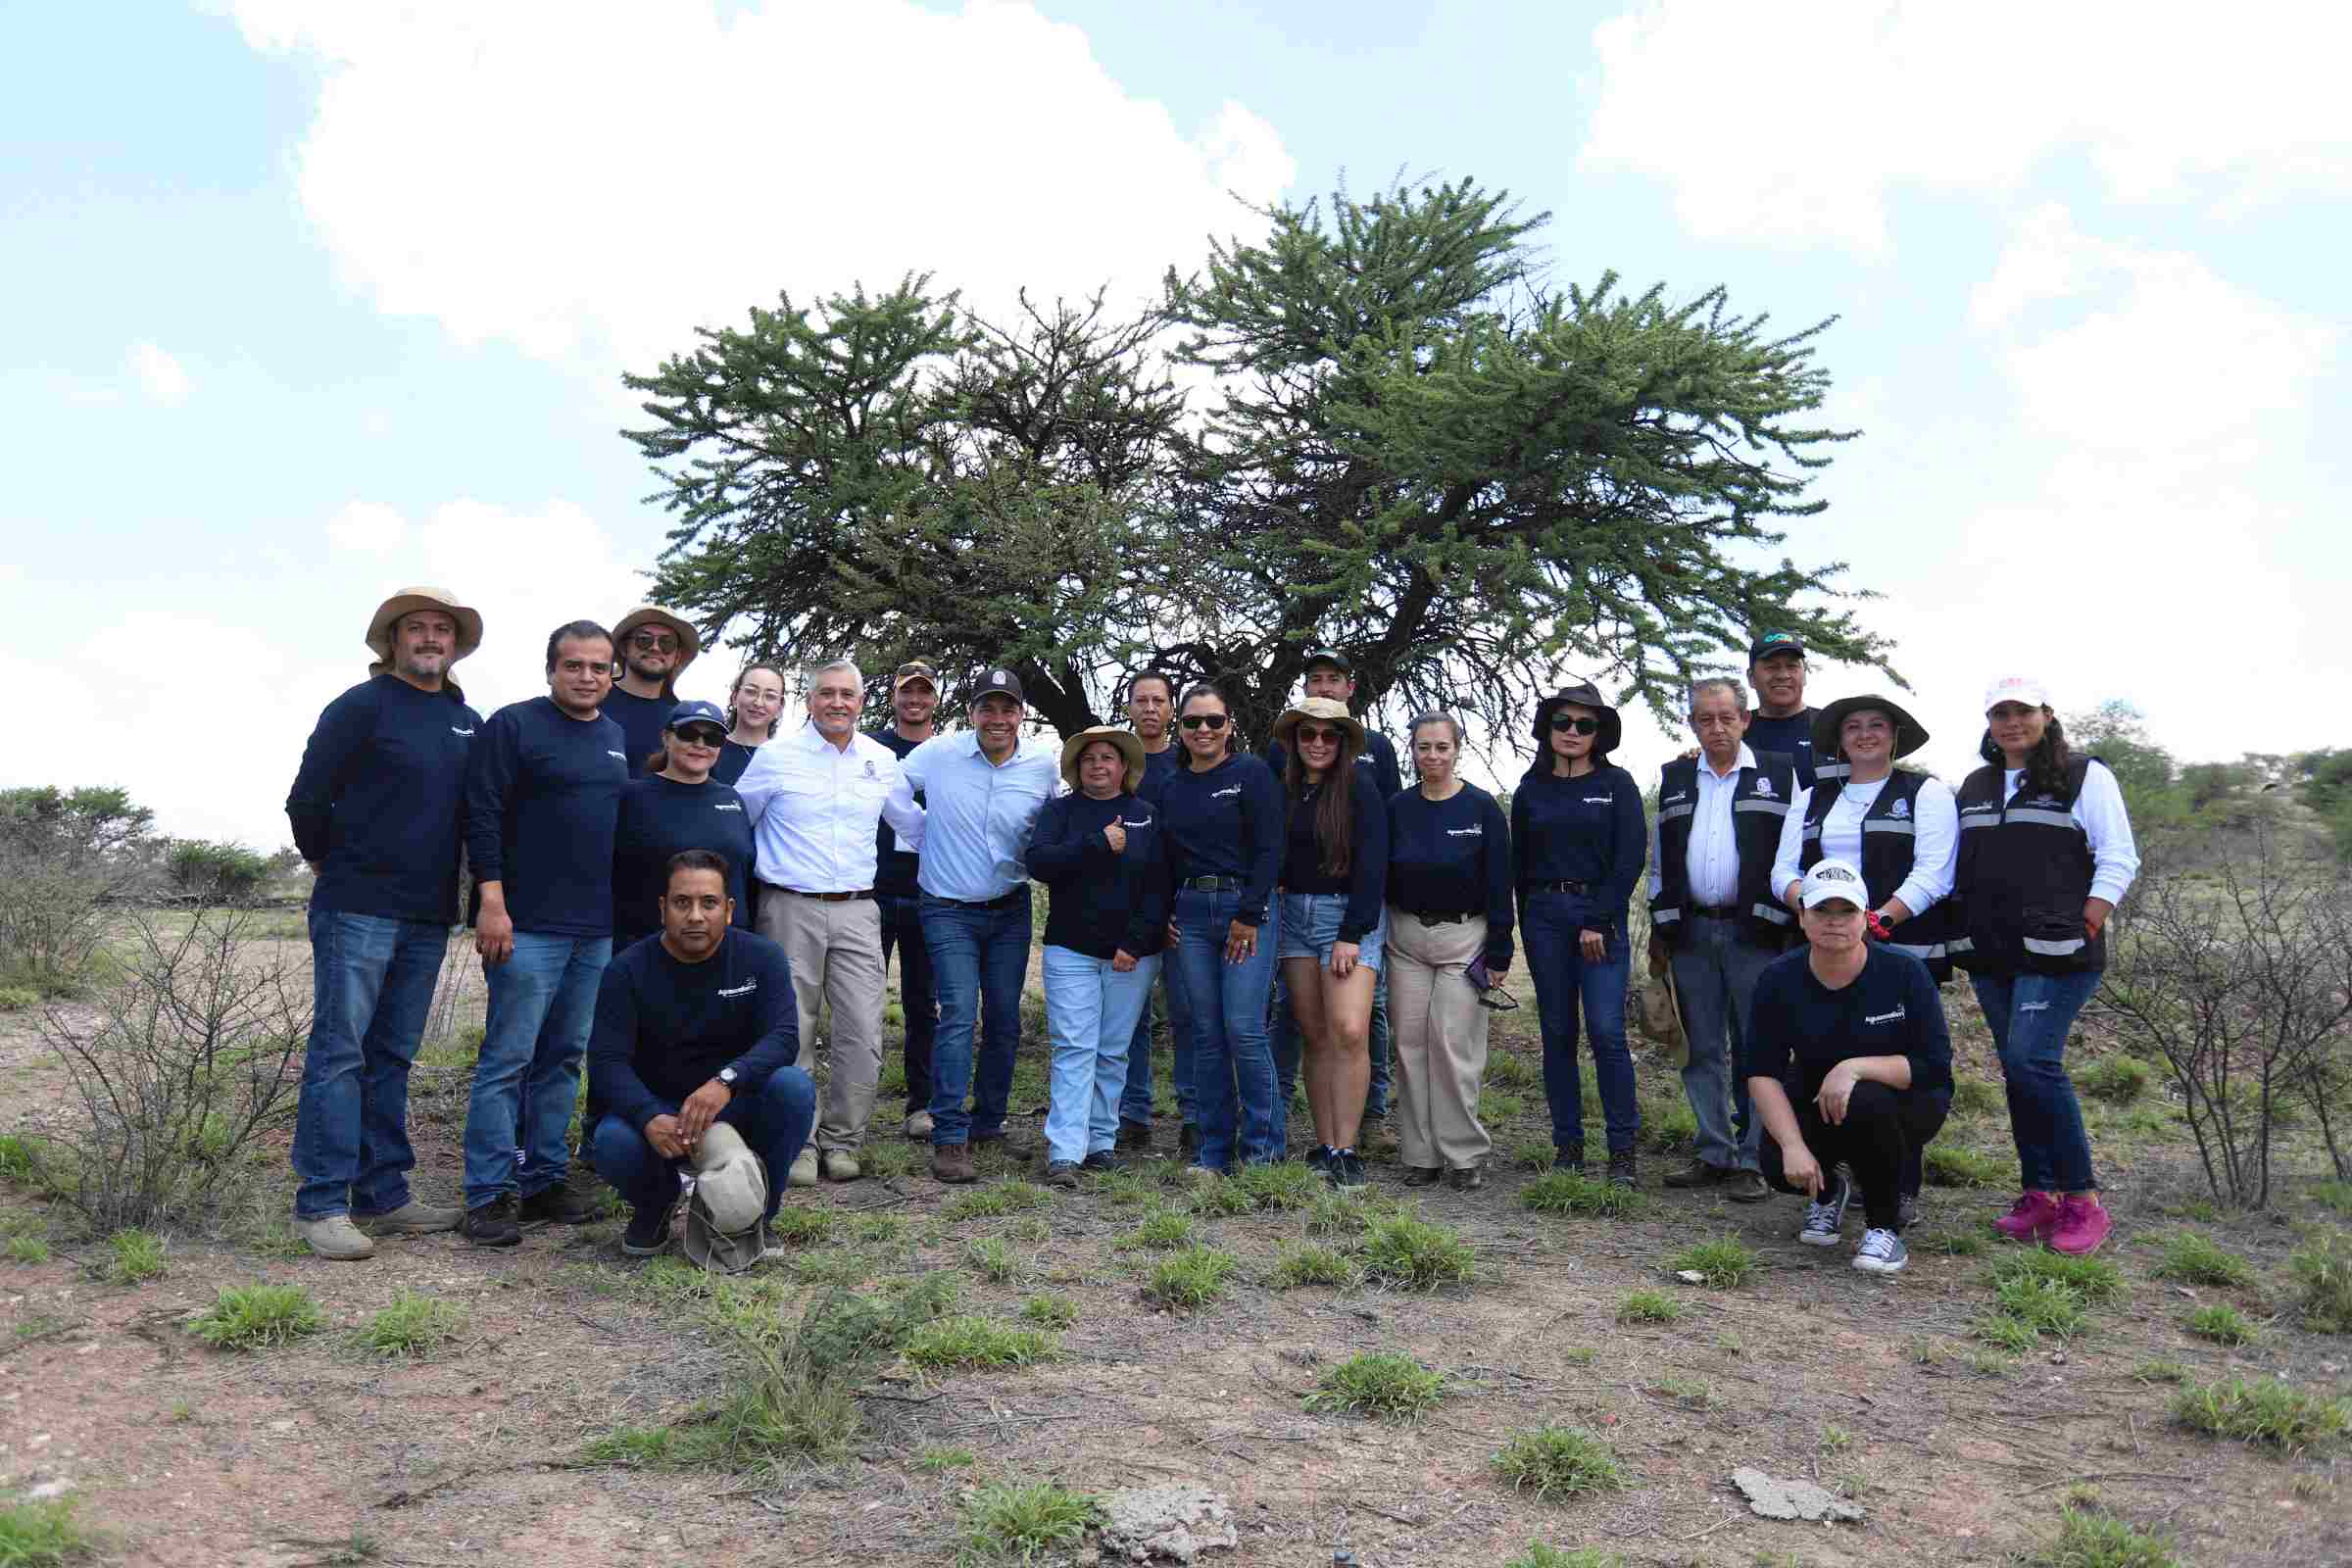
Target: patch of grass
point(1507, 1069)
point(635, 1448)
point(1281, 1187)
point(1160, 1232)
point(1835, 1439)
point(1534, 1153)
point(970, 1339)
point(2088, 1539)
point(15, 998)
point(2223, 1325)
point(1723, 1263)
point(28, 1250)
point(2005, 1332)
point(1124, 1189)
point(1977, 1096)
point(2095, 1280)
point(180, 1413)
point(1580, 1355)
point(1991, 1363)
point(1539, 1555)
point(1927, 1350)
point(1556, 1463)
point(2328, 1195)
point(412, 1325)
point(134, 1257)
point(1006, 1522)
point(1564, 1192)
point(2160, 1372)
point(1007, 1196)
point(1650, 1306)
point(1949, 1164)
point(1390, 1387)
point(802, 1227)
point(888, 1159)
point(1220, 1200)
point(1414, 1253)
point(2118, 1079)
point(1310, 1264)
point(875, 1229)
point(1192, 1278)
point(19, 1165)
point(2195, 1258)
point(992, 1262)
point(2045, 1306)
point(1687, 1392)
point(1953, 1244)
point(38, 1535)
point(2324, 1269)
point(1496, 1107)
point(2261, 1411)
point(937, 1459)
point(1050, 1311)
point(1347, 1211)
point(1668, 1124)
point(248, 1317)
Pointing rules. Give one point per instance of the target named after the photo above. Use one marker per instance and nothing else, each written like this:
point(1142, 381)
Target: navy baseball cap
point(695, 714)
point(998, 683)
point(1774, 642)
point(1332, 656)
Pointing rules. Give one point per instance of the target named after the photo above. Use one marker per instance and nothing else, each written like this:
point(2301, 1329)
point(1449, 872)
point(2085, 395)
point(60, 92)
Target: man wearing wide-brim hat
point(377, 812)
point(651, 650)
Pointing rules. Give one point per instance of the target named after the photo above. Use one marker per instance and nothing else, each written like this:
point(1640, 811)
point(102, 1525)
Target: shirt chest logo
point(870, 768)
point(623, 758)
point(743, 990)
point(1897, 1016)
point(1601, 799)
point(1473, 831)
point(1900, 811)
point(1764, 788)
point(454, 730)
point(1134, 821)
point(1678, 795)
point(1219, 795)
point(729, 805)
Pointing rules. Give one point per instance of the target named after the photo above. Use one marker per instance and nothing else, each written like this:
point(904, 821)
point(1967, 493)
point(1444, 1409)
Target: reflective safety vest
point(1889, 836)
point(1760, 799)
point(2023, 873)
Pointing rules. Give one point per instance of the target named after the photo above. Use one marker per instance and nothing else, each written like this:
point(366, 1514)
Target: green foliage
point(1161, 1231)
point(1220, 1200)
point(2193, 1256)
point(1556, 1463)
point(134, 1257)
point(1539, 1555)
point(1347, 1210)
point(2337, 1195)
point(1977, 1096)
point(209, 872)
point(974, 1341)
point(2005, 1332)
point(801, 1227)
point(250, 1318)
point(2091, 1540)
point(1379, 1384)
point(1513, 1070)
point(992, 1262)
point(1009, 1196)
point(1496, 1107)
point(2224, 1325)
point(2260, 1410)
point(412, 1325)
point(1310, 1264)
point(2045, 1306)
point(1534, 1153)
point(1650, 1306)
point(1723, 1263)
point(1192, 1278)
point(2118, 1078)
point(1564, 1192)
point(1668, 1125)
point(1952, 1244)
point(888, 1159)
point(1050, 1311)
point(28, 1250)
point(2323, 1268)
point(2160, 1372)
point(2093, 1279)
point(43, 1535)
point(66, 860)
point(1415, 1254)
point(1950, 1164)
point(937, 1460)
point(1282, 1186)
point(15, 999)
point(1008, 1521)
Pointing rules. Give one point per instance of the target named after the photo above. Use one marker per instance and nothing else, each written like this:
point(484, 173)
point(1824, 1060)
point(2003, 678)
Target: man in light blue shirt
point(982, 790)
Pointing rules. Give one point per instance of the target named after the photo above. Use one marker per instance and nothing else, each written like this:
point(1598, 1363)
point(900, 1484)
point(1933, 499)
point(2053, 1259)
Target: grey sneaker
point(1825, 1216)
point(336, 1237)
point(410, 1219)
point(1880, 1253)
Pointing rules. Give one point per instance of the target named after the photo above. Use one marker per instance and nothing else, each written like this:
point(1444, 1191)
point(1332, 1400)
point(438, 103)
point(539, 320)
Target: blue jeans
point(1091, 1013)
point(979, 957)
point(371, 986)
point(1134, 1099)
point(774, 1122)
point(903, 928)
point(542, 1003)
point(2030, 1016)
point(1232, 1059)
point(1564, 979)
point(1715, 973)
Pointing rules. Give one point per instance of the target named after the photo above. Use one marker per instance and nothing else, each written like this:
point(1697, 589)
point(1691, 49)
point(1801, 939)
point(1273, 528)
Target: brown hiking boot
point(1698, 1173)
point(952, 1162)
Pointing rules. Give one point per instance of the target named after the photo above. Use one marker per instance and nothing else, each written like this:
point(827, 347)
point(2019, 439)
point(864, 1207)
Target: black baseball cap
point(1774, 642)
point(1332, 656)
point(997, 681)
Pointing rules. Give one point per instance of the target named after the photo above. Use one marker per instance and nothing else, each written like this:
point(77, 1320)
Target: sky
point(309, 302)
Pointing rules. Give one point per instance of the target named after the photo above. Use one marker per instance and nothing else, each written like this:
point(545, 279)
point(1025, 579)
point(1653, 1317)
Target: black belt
point(1212, 884)
point(1561, 886)
point(1728, 912)
point(999, 902)
point(821, 898)
point(1444, 917)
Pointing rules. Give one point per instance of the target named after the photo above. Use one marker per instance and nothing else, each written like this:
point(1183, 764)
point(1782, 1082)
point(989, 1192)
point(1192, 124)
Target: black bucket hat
point(1909, 733)
point(1584, 694)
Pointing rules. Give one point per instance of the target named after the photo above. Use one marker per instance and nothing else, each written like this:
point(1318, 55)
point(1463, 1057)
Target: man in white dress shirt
point(814, 798)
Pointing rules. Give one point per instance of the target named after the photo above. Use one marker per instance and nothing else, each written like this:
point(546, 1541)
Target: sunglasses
point(1497, 1000)
point(1563, 723)
point(659, 642)
point(1319, 735)
point(1202, 721)
point(700, 735)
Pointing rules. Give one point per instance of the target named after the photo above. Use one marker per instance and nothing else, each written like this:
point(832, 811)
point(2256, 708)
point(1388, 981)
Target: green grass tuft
point(2005, 1332)
point(2193, 1256)
point(1650, 1306)
point(1949, 1164)
point(937, 1459)
point(1977, 1096)
point(2223, 1325)
point(2261, 1412)
point(802, 1227)
point(1556, 1463)
point(2087, 1538)
point(1534, 1153)
point(1953, 1244)
point(42, 1535)
point(1394, 1387)
point(2045, 1306)
point(968, 1340)
point(134, 1257)
point(2118, 1080)
point(2160, 1372)
point(1220, 1200)
point(412, 1325)
point(992, 1262)
point(888, 1159)
point(1006, 1522)
point(1414, 1253)
point(1007, 1196)
point(1724, 1263)
point(1280, 1187)
point(1495, 1107)
point(1310, 1264)
point(2325, 1271)
point(1192, 1278)
point(1507, 1069)
point(1161, 1232)
point(2095, 1280)
point(1050, 1311)
point(1539, 1555)
point(2328, 1195)
point(1564, 1192)
point(28, 1250)
point(248, 1317)
point(1347, 1211)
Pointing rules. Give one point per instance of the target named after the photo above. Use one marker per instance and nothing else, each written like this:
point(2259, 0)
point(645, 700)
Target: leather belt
point(1212, 884)
point(1443, 917)
point(1000, 900)
point(1563, 887)
point(822, 898)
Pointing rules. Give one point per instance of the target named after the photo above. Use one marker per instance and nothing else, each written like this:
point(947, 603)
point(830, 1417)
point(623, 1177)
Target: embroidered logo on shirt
point(743, 990)
point(1897, 1016)
point(870, 768)
point(1601, 799)
point(1764, 787)
point(1678, 795)
point(1219, 795)
point(1134, 821)
point(454, 730)
point(2032, 1007)
point(615, 753)
point(729, 805)
point(1899, 809)
point(1474, 830)
point(1980, 807)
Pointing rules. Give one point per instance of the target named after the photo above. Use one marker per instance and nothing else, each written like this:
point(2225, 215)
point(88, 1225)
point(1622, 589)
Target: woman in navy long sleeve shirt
point(1224, 820)
point(1579, 841)
point(680, 804)
point(1334, 873)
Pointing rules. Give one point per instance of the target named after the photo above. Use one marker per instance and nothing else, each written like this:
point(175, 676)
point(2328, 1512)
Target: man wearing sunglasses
point(651, 647)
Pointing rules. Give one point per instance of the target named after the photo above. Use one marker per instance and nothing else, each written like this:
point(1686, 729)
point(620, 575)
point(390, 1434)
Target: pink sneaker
point(2082, 1224)
point(2032, 1217)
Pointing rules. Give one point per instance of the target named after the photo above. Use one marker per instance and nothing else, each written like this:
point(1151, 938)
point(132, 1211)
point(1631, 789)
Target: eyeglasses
point(1317, 735)
point(700, 735)
point(1563, 723)
point(1497, 1000)
point(1202, 721)
point(659, 642)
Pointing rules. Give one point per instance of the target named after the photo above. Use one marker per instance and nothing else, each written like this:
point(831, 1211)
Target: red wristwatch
point(1877, 922)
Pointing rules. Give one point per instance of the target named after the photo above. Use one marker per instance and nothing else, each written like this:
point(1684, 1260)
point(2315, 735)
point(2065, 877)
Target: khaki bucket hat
point(690, 641)
point(410, 599)
point(1325, 711)
point(731, 1195)
point(1129, 748)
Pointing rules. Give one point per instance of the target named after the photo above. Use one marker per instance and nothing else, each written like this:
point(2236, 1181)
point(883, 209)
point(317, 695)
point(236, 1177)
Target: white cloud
point(368, 527)
point(590, 182)
point(1794, 124)
point(160, 376)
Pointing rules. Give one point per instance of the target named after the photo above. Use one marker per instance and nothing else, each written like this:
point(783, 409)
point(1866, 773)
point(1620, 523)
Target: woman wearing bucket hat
point(1335, 870)
point(2045, 854)
point(678, 806)
point(651, 650)
point(1099, 849)
point(1578, 845)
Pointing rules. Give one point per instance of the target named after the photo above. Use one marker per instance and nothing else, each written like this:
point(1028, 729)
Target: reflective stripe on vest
point(1671, 812)
point(1923, 953)
point(1772, 912)
point(1887, 824)
point(2043, 819)
point(1958, 946)
point(1775, 808)
point(2055, 950)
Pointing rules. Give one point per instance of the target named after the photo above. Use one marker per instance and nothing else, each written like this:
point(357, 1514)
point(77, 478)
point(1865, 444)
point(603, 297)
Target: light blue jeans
point(371, 986)
point(541, 1005)
point(1715, 974)
point(1135, 1100)
point(1091, 1010)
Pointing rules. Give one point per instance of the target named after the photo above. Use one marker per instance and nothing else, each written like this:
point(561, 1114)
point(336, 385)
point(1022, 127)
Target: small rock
point(1177, 1522)
point(1791, 1499)
point(1690, 1276)
point(50, 1489)
point(282, 1424)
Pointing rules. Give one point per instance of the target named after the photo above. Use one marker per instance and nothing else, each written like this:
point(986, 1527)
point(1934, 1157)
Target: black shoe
point(649, 1230)
point(1319, 1159)
point(1422, 1175)
point(1135, 1135)
point(1188, 1142)
point(493, 1224)
point(1569, 1157)
point(1061, 1173)
point(1103, 1159)
point(1745, 1187)
point(1698, 1173)
point(561, 1205)
point(1621, 1167)
point(1466, 1178)
point(1346, 1169)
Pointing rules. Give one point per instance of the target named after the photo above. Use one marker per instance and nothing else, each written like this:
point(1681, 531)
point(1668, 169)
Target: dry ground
point(319, 1453)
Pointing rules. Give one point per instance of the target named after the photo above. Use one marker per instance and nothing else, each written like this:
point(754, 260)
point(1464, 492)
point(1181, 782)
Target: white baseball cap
point(2025, 689)
point(1831, 879)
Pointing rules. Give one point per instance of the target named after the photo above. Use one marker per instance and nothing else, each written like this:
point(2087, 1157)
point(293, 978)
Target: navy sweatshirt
point(1228, 821)
point(1366, 878)
point(1589, 830)
point(1792, 736)
point(664, 1028)
point(733, 758)
point(1452, 857)
point(1799, 1028)
point(1103, 901)
point(1160, 766)
point(1378, 758)
point(658, 818)
point(642, 720)
point(542, 793)
point(378, 804)
point(895, 869)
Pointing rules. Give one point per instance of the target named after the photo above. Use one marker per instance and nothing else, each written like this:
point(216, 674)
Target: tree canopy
point(1377, 426)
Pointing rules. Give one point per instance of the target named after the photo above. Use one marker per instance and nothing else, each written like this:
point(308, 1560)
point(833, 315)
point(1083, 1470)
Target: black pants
point(903, 928)
point(1879, 1142)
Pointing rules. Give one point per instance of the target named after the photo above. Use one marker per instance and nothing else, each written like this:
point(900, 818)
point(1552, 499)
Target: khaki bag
point(1662, 1012)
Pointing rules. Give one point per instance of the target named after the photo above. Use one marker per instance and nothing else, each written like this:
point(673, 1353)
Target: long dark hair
point(2045, 764)
point(743, 674)
point(1334, 811)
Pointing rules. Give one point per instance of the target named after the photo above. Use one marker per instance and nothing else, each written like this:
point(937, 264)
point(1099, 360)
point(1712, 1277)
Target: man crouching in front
point(695, 1030)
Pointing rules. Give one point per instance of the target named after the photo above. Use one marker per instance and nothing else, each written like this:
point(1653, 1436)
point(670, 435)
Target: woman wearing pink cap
point(2045, 854)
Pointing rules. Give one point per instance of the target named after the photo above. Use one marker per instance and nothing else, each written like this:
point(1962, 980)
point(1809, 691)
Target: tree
point(64, 858)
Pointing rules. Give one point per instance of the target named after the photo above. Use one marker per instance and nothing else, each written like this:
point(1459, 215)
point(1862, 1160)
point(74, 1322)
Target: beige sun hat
point(690, 641)
point(408, 599)
point(1323, 708)
point(730, 1193)
point(1128, 746)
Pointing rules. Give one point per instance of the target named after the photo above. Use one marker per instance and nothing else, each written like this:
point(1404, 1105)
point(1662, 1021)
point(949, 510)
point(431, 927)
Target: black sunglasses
point(700, 735)
point(1319, 735)
point(1562, 722)
point(1202, 721)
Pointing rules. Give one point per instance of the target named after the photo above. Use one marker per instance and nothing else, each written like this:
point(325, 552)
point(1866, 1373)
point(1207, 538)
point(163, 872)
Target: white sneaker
point(1825, 1216)
point(803, 1169)
point(1880, 1253)
point(918, 1126)
point(336, 1237)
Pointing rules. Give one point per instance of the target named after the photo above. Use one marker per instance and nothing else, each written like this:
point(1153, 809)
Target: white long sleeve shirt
point(815, 806)
point(1713, 862)
point(2099, 810)
point(1936, 835)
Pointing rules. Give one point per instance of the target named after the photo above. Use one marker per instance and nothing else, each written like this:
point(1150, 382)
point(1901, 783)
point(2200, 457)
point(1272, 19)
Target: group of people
point(675, 893)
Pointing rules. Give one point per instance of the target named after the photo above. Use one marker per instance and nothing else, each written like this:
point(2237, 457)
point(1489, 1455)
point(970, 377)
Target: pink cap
point(2023, 689)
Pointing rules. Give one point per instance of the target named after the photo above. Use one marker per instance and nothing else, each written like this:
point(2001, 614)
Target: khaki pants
point(1439, 1034)
point(835, 949)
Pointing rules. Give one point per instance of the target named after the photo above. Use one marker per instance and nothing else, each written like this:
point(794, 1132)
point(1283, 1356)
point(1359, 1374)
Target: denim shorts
point(1310, 924)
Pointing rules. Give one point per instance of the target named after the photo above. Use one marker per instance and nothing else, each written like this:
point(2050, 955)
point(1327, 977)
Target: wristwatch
point(727, 1076)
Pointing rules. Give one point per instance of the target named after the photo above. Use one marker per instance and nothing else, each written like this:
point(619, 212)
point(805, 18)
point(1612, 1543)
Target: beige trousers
point(836, 954)
point(1438, 1040)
